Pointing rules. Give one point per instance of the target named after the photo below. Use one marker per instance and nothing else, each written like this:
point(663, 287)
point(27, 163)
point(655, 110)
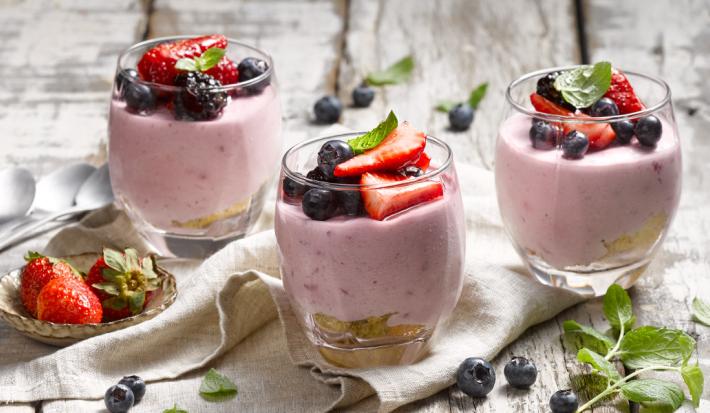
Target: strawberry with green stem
point(39, 271)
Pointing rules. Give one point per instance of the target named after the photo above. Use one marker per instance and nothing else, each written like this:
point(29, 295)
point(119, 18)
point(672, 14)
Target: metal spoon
point(57, 190)
point(94, 193)
point(18, 187)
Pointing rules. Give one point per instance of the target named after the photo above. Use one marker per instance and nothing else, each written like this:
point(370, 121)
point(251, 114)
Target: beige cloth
point(225, 317)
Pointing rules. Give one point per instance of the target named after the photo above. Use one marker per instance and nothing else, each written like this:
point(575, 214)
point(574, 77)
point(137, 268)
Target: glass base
point(185, 246)
point(590, 283)
point(385, 355)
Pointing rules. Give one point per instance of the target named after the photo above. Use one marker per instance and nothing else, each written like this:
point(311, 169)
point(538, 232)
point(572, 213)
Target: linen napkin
point(232, 314)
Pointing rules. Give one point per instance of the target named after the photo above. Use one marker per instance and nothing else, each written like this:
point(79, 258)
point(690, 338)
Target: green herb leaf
point(694, 379)
point(206, 61)
point(654, 391)
point(109, 288)
point(445, 106)
point(397, 73)
point(617, 308)
point(175, 409)
point(584, 85)
point(588, 337)
point(216, 387)
point(701, 311)
point(654, 346)
point(597, 361)
point(375, 136)
point(115, 260)
point(477, 95)
point(186, 64)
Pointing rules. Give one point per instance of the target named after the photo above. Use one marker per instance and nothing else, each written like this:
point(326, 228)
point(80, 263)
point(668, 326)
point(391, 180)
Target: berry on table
point(200, 98)
point(648, 130)
point(292, 188)
point(604, 107)
point(476, 377)
point(544, 135)
point(624, 130)
point(139, 98)
point(460, 117)
point(564, 401)
point(136, 384)
point(574, 145)
point(520, 372)
point(328, 109)
point(363, 96)
point(119, 399)
point(319, 204)
point(331, 154)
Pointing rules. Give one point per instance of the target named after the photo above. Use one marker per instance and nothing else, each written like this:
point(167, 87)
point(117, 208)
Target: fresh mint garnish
point(642, 349)
point(374, 137)
point(474, 99)
point(216, 387)
point(399, 72)
point(175, 409)
point(701, 311)
point(583, 86)
point(204, 62)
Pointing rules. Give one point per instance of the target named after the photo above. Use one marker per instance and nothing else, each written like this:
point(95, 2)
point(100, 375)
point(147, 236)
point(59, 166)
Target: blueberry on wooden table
point(460, 117)
point(328, 109)
point(476, 377)
point(520, 372)
point(363, 96)
point(564, 401)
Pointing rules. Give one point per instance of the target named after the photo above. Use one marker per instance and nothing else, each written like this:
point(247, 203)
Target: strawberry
point(37, 273)
point(621, 92)
point(225, 71)
point(158, 64)
point(381, 203)
point(67, 300)
point(402, 146)
point(543, 105)
point(123, 282)
point(423, 162)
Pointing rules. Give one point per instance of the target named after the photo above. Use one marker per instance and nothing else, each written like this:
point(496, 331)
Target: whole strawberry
point(67, 300)
point(123, 282)
point(37, 273)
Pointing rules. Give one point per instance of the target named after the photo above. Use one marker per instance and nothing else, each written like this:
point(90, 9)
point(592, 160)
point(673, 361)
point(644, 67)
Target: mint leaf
point(175, 409)
point(445, 106)
point(654, 391)
point(375, 136)
point(597, 361)
point(588, 337)
point(701, 311)
point(693, 378)
point(653, 346)
point(584, 85)
point(397, 73)
point(617, 308)
point(216, 387)
point(206, 61)
point(477, 95)
point(186, 64)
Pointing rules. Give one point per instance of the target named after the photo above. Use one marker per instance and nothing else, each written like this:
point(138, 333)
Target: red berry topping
point(545, 106)
point(39, 271)
point(158, 64)
point(68, 300)
point(621, 92)
point(225, 71)
point(423, 162)
point(381, 203)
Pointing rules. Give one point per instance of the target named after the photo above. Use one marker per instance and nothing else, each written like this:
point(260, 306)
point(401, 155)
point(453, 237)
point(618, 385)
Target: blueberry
point(564, 401)
point(460, 117)
point(604, 107)
point(575, 145)
point(351, 202)
point(363, 96)
point(119, 398)
point(292, 188)
point(319, 204)
point(412, 170)
point(624, 130)
point(251, 67)
point(520, 372)
point(139, 98)
point(544, 135)
point(331, 154)
point(328, 109)
point(123, 77)
point(136, 384)
point(476, 377)
point(648, 130)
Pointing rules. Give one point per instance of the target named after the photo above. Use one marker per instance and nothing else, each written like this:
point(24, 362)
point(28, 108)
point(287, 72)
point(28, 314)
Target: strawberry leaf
point(32, 255)
point(115, 260)
point(110, 274)
point(109, 288)
point(373, 138)
point(136, 301)
point(147, 267)
point(114, 303)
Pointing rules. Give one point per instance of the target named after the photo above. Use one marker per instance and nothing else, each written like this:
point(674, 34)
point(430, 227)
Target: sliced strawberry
point(158, 64)
point(600, 135)
point(225, 71)
point(423, 162)
point(381, 203)
point(545, 106)
point(621, 92)
point(400, 147)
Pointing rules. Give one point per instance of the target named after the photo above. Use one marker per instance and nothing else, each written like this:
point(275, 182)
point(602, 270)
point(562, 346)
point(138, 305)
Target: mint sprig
point(206, 61)
point(375, 136)
point(701, 311)
point(175, 409)
point(474, 99)
point(399, 72)
point(583, 86)
point(644, 349)
point(215, 387)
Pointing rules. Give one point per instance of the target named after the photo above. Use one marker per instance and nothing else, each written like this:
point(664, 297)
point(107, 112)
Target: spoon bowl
point(18, 187)
point(57, 190)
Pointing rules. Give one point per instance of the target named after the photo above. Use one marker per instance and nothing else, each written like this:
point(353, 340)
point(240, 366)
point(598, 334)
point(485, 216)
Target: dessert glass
point(370, 292)
point(189, 186)
point(583, 224)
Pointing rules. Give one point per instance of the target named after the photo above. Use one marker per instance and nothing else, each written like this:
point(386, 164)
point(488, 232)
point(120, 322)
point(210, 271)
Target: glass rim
point(303, 180)
point(572, 119)
point(121, 63)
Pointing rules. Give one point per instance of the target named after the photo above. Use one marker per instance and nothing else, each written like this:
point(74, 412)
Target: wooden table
point(58, 61)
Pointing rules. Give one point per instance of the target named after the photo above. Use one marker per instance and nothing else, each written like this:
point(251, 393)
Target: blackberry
point(199, 99)
point(317, 175)
point(546, 89)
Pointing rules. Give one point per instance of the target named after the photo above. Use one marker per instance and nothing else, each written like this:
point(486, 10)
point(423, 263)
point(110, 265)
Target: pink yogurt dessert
point(370, 289)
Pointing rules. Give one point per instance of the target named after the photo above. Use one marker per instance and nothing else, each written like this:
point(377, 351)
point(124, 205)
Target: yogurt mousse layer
point(405, 270)
point(607, 209)
point(182, 176)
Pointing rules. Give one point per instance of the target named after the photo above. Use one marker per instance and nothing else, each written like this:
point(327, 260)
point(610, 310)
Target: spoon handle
point(23, 232)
